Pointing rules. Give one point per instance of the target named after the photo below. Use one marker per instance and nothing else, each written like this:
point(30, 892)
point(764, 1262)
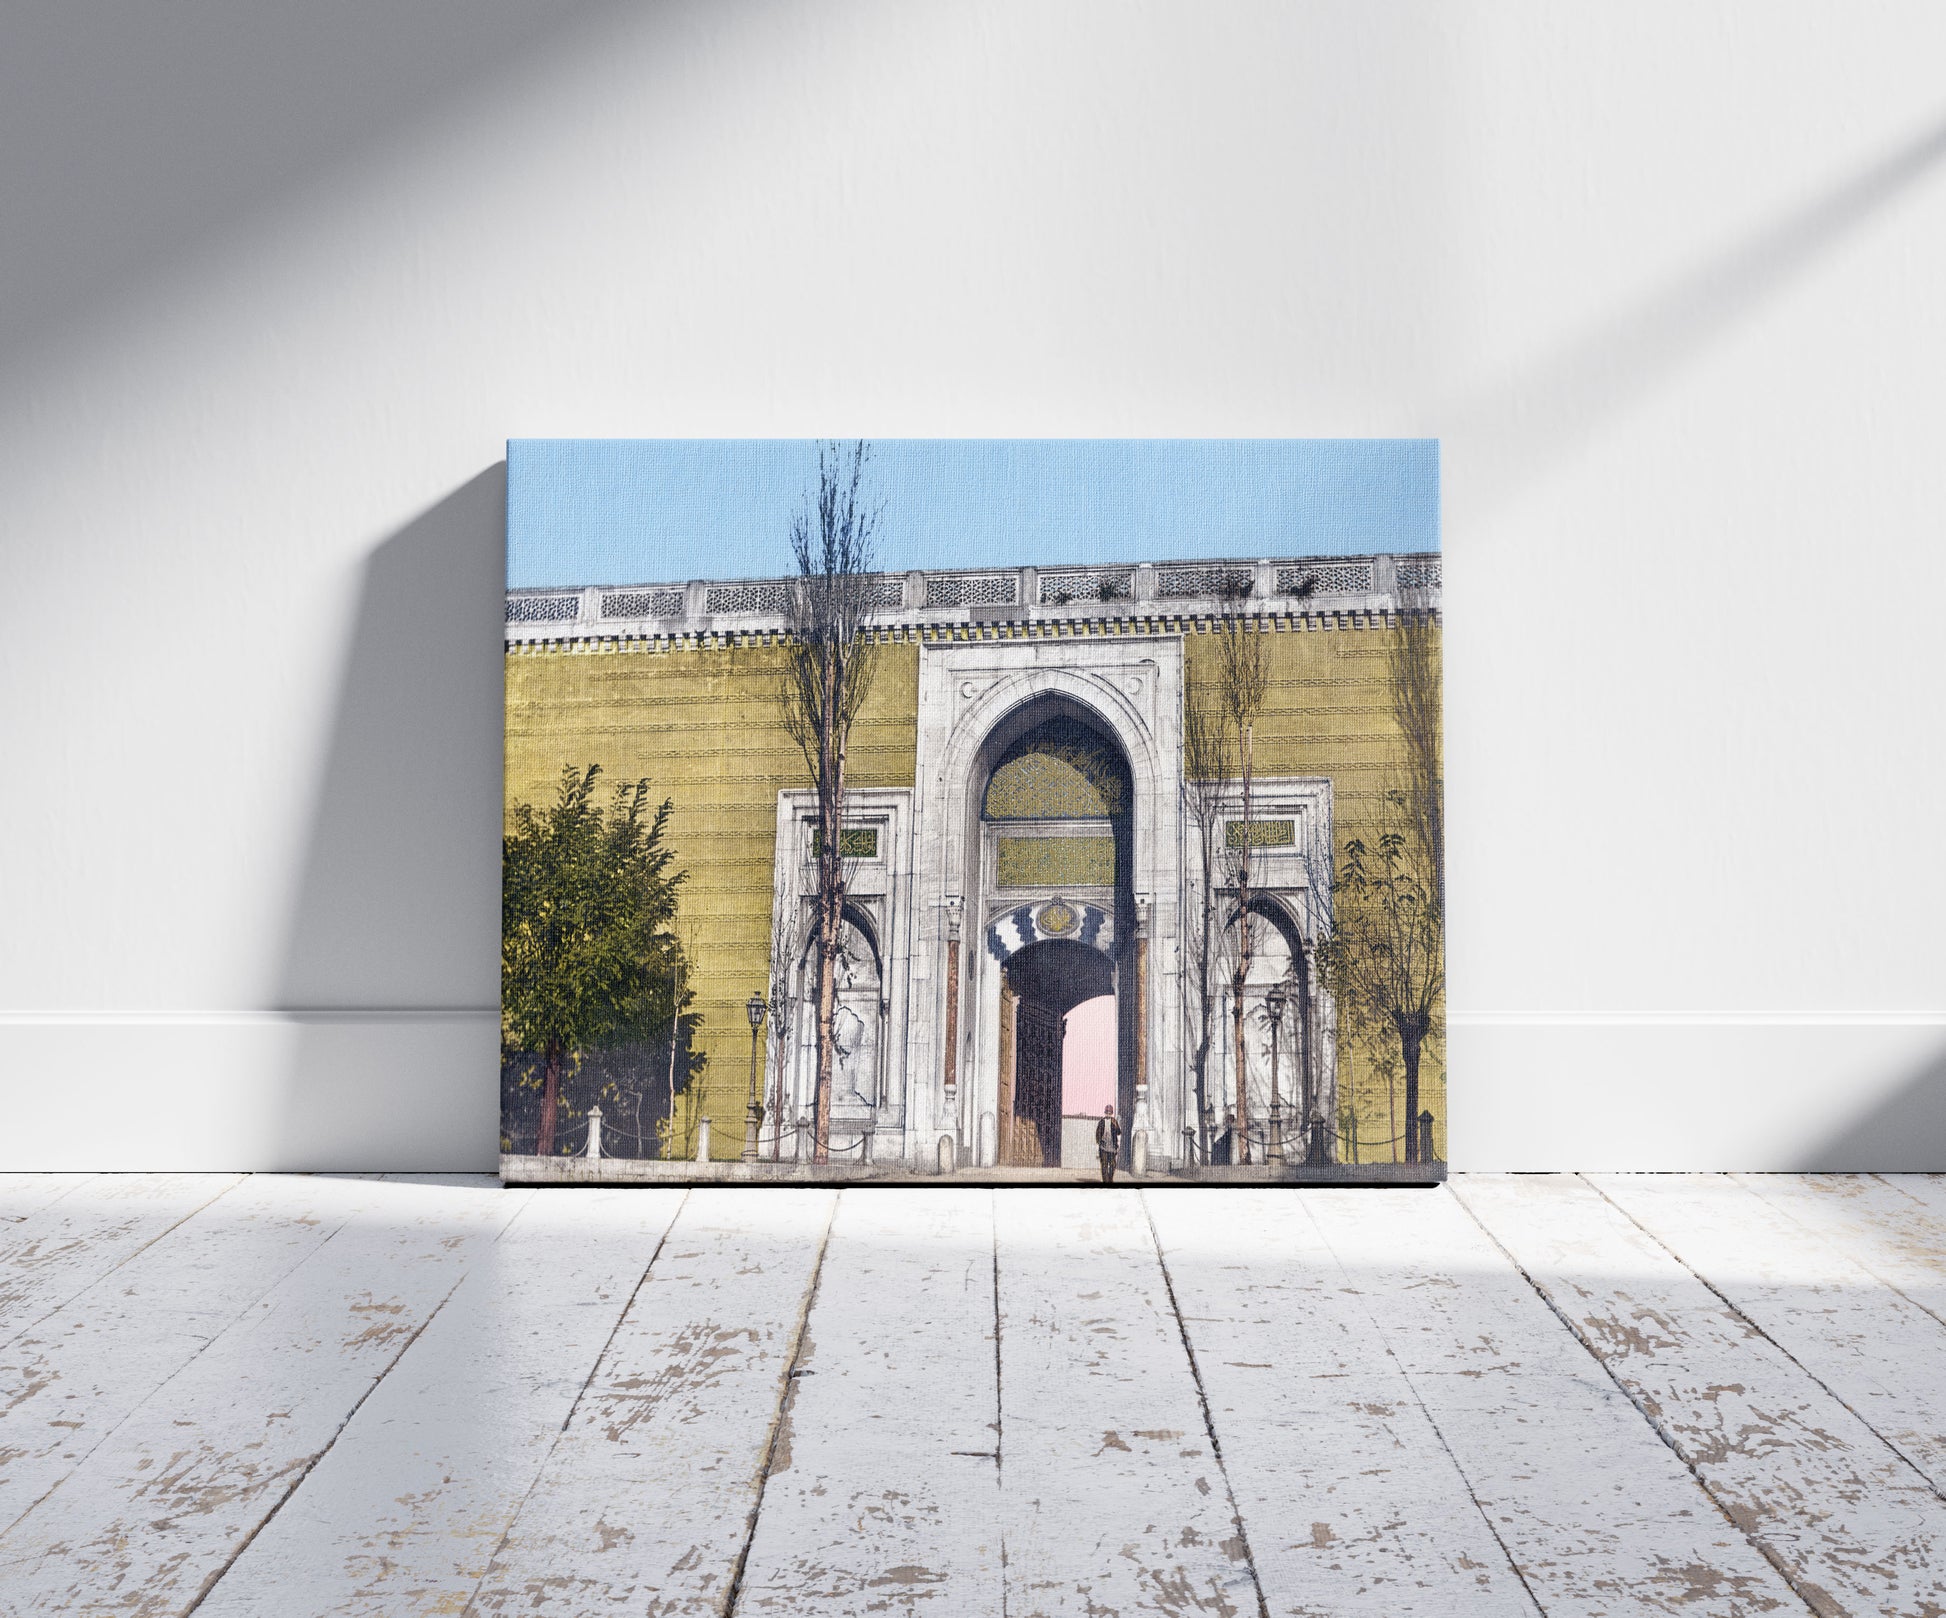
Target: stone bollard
point(702, 1141)
point(1138, 1153)
point(1425, 1137)
point(946, 1154)
point(1189, 1148)
point(802, 1151)
point(594, 1133)
point(989, 1139)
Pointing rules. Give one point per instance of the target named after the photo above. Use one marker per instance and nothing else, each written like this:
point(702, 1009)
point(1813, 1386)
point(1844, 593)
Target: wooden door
point(1037, 1081)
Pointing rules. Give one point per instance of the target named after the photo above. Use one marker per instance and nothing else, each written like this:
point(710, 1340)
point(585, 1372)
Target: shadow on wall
point(1905, 1133)
point(1518, 430)
point(131, 141)
point(391, 965)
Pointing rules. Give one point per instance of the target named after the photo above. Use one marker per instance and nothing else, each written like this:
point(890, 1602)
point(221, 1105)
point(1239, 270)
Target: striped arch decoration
point(1048, 919)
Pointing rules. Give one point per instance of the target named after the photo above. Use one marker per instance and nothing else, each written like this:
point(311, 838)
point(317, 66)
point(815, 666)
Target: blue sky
point(635, 511)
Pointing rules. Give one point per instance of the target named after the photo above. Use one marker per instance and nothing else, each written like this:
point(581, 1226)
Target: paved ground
point(1566, 1395)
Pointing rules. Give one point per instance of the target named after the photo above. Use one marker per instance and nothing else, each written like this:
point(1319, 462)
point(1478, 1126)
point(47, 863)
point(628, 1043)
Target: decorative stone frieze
point(1322, 591)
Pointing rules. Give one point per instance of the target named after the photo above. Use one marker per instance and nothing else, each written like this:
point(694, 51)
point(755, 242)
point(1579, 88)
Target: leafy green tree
point(589, 958)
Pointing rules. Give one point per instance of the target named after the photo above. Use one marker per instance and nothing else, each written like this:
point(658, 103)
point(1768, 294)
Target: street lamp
point(756, 1008)
point(1274, 1007)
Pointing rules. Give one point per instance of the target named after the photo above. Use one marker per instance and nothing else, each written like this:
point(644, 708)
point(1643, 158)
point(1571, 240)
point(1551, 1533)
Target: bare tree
point(829, 659)
point(1314, 930)
point(676, 1131)
point(785, 943)
point(1413, 666)
point(1387, 958)
point(678, 990)
point(1206, 779)
point(1242, 678)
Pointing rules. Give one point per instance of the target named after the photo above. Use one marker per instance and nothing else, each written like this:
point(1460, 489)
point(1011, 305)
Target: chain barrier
point(784, 1143)
point(833, 1149)
point(1298, 1136)
point(784, 1146)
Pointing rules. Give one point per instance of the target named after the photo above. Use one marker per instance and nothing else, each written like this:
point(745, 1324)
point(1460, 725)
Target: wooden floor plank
point(883, 1495)
point(1351, 1502)
point(76, 1375)
point(1926, 1189)
point(404, 1513)
point(1894, 1225)
point(67, 1244)
point(1852, 1524)
point(1876, 1351)
point(357, 1415)
point(1597, 1513)
point(155, 1513)
point(23, 1194)
point(1113, 1499)
point(644, 1504)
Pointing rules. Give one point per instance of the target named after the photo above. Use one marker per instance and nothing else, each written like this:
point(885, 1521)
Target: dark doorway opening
point(1042, 984)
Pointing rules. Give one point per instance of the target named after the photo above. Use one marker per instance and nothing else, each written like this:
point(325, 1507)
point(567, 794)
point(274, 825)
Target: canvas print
point(973, 811)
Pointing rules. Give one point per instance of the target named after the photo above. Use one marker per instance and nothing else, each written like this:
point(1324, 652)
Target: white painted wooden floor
point(237, 1395)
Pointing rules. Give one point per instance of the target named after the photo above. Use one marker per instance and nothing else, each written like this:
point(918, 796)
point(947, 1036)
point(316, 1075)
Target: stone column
point(881, 1084)
point(1141, 1123)
point(1005, 1107)
point(952, 1018)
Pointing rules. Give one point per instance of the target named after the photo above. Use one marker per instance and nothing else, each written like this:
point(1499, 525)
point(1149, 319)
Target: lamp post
point(756, 1008)
point(1274, 1008)
point(1239, 1146)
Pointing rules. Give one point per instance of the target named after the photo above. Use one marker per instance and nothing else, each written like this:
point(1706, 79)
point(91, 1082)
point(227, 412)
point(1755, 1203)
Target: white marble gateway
point(935, 918)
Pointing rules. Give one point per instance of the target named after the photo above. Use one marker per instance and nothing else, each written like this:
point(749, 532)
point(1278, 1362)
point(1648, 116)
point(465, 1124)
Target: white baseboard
point(400, 1090)
point(1752, 1091)
point(344, 1090)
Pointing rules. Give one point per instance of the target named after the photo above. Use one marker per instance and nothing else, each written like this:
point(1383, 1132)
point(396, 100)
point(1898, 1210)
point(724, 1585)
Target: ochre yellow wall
point(1328, 711)
point(703, 726)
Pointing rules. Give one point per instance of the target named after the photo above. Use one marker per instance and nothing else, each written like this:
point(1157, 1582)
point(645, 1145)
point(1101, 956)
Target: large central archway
point(1052, 856)
point(1105, 874)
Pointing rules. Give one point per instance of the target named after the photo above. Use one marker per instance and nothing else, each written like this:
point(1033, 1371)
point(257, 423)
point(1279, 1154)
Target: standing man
point(1108, 1142)
point(1223, 1148)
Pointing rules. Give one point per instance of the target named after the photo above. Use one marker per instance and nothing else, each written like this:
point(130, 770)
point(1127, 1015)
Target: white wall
point(277, 282)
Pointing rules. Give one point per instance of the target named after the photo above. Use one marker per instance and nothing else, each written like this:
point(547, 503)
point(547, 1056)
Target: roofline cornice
point(937, 604)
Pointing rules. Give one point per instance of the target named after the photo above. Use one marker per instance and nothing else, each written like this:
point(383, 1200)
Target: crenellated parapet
point(935, 602)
